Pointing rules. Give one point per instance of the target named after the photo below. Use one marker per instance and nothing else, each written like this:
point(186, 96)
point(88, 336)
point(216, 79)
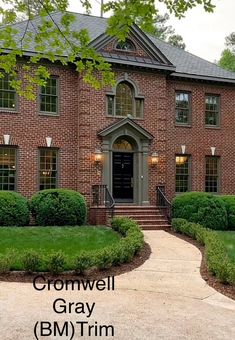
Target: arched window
point(125, 46)
point(124, 99)
point(125, 102)
point(122, 144)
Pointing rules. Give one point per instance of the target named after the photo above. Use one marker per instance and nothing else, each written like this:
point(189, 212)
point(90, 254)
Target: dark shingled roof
point(187, 65)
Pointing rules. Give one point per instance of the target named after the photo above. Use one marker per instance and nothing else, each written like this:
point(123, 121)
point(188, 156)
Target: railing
point(102, 197)
point(163, 202)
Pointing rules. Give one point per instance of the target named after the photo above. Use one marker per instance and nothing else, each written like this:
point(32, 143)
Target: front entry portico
point(125, 146)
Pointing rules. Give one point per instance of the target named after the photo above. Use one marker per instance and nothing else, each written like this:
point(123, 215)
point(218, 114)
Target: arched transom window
point(125, 46)
point(125, 102)
point(122, 144)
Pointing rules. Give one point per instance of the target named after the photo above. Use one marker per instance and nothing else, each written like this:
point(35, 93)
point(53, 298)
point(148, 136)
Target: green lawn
point(228, 238)
point(71, 240)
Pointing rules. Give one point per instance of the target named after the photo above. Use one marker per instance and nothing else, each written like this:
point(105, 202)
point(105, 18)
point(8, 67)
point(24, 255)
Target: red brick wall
point(83, 114)
point(29, 130)
point(199, 139)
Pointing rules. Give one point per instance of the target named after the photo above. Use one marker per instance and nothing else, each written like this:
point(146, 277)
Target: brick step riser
point(125, 212)
point(142, 216)
point(155, 228)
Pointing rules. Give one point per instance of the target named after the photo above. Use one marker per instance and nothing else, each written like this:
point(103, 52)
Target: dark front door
point(123, 177)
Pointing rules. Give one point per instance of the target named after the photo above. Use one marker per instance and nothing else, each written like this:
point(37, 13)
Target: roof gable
point(146, 52)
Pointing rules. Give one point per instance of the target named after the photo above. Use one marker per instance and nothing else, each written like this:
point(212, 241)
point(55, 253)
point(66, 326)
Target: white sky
point(204, 33)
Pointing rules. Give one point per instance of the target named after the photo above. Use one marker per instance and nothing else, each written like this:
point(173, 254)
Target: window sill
point(50, 114)
point(183, 125)
point(119, 117)
point(212, 127)
point(2, 110)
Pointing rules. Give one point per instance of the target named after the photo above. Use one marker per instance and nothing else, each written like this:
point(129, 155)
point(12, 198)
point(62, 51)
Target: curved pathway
point(165, 298)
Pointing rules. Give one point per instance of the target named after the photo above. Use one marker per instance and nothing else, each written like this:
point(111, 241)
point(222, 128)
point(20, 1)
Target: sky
point(204, 33)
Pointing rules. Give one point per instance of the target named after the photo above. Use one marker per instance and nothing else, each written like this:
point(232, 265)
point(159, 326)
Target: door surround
point(140, 139)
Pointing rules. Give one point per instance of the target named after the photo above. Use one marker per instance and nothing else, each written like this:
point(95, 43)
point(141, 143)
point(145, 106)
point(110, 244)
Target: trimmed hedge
point(58, 207)
point(217, 258)
point(14, 209)
point(203, 208)
point(129, 245)
point(229, 201)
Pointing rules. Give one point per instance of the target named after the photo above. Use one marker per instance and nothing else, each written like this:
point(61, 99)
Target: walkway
point(165, 298)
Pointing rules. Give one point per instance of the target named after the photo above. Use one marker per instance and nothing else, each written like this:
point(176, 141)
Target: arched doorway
point(130, 142)
point(123, 169)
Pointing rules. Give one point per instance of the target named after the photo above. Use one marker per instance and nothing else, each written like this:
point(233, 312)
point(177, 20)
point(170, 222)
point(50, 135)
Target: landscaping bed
point(59, 249)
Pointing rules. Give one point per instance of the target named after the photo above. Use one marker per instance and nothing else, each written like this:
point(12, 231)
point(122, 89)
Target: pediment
point(126, 124)
point(146, 53)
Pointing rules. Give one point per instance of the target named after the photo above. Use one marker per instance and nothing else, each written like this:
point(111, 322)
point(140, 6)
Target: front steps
point(148, 217)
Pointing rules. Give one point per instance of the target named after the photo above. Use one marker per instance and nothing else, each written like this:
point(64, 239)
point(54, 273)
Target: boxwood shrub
point(58, 207)
point(203, 208)
point(229, 201)
point(217, 259)
point(14, 209)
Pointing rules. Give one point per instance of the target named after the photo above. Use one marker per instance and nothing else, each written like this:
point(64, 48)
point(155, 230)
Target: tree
point(165, 32)
point(227, 59)
point(51, 40)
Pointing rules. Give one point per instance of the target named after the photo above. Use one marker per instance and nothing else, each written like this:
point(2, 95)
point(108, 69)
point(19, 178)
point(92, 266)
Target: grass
point(70, 240)
point(228, 238)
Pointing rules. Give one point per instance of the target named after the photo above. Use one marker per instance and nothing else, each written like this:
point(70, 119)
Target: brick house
point(169, 121)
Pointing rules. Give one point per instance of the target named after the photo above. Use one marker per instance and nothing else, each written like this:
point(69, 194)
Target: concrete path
point(165, 298)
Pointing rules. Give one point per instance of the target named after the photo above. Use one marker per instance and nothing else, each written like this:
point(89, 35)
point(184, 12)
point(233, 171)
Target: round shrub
point(229, 201)
point(202, 208)
point(58, 207)
point(14, 209)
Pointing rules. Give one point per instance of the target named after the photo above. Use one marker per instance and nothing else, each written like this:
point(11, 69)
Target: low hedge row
point(130, 244)
point(48, 207)
point(203, 208)
point(217, 258)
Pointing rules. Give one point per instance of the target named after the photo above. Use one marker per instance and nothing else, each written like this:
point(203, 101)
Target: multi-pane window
point(7, 93)
point(212, 110)
point(49, 96)
point(212, 174)
point(47, 169)
point(182, 108)
point(7, 168)
point(182, 175)
point(125, 103)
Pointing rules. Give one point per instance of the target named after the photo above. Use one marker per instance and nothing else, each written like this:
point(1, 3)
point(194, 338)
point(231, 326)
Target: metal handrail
point(102, 197)
point(163, 202)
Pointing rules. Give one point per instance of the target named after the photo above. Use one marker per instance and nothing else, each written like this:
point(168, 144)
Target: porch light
point(6, 139)
point(98, 156)
point(180, 160)
point(154, 158)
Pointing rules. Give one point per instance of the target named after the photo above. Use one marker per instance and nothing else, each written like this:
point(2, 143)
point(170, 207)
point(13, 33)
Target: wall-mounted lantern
point(98, 156)
point(48, 141)
point(154, 158)
point(6, 139)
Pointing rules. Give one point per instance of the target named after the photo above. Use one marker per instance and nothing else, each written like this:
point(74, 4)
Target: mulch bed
point(138, 260)
point(206, 275)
